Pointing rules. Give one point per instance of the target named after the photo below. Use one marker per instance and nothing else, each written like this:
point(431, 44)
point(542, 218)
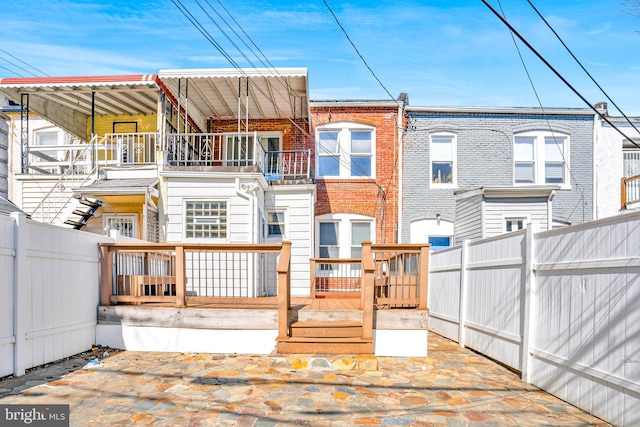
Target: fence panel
point(495, 281)
point(587, 317)
point(444, 292)
point(57, 294)
point(7, 254)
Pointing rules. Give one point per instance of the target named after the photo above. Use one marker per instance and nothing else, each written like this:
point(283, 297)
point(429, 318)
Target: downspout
point(400, 176)
point(594, 178)
point(93, 130)
point(247, 192)
point(550, 210)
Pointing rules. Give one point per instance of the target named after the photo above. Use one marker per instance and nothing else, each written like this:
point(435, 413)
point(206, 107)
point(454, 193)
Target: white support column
point(462, 315)
point(528, 304)
point(21, 295)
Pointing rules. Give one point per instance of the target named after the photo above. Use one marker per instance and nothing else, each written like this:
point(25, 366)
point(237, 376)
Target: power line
point(546, 118)
point(602, 116)
point(359, 54)
point(581, 66)
point(11, 71)
point(28, 65)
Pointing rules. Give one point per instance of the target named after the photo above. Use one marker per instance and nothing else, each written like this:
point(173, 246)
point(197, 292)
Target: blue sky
point(454, 53)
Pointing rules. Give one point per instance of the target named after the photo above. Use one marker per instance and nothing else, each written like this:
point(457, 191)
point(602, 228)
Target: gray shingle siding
point(485, 159)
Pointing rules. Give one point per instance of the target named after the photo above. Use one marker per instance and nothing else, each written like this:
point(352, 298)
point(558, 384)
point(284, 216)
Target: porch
point(237, 299)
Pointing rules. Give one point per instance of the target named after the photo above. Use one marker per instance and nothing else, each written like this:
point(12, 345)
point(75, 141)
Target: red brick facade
point(377, 197)
point(293, 137)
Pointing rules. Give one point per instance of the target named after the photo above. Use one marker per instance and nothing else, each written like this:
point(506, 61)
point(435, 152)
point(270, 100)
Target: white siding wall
point(55, 290)
point(496, 210)
point(565, 313)
point(468, 224)
point(298, 204)
point(7, 254)
point(238, 207)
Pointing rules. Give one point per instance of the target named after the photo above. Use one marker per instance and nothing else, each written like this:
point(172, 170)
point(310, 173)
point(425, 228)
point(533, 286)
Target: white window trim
point(285, 224)
point(506, 217)
point(133, 216)
point(540, 160)
point(202, 239)
point(344, 149)
point(454, 159)
point(344, 239)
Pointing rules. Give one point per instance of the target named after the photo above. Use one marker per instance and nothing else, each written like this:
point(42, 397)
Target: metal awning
point(222, 93)
point(204, 93)
point(121, 191)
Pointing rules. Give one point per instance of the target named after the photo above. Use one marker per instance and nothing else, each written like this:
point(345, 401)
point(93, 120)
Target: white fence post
point(21, 294)
point(462, 313)
point(528, 303)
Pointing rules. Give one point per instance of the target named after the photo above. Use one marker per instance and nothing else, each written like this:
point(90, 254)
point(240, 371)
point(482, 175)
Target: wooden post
point(366, 293)
point(181, 277)
point(284, 290)
point(423, 291)
point(106, 275)
point(312, 278)
point(623, 193)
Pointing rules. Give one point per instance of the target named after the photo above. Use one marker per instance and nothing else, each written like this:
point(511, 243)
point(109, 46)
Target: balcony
point(234, 152)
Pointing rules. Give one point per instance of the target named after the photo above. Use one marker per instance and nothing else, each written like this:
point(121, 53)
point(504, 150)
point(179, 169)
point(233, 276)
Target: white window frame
point(343, 149)
point(506, 218)
point(540, 158)
point(453, 159)
point(110, 216)
point(284, 224)
point(345, 230)
point(205, 239)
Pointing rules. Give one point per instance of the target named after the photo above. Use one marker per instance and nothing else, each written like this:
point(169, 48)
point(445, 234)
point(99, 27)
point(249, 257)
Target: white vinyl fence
point(49, 281)
point(562, 306)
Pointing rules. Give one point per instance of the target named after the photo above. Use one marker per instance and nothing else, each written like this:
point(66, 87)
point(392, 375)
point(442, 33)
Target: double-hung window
point(341, 235)
point(541, 158)
point(275, 224)
point(443, 160)
point(346, 150)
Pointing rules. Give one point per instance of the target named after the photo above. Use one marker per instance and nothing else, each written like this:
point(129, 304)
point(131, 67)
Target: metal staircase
point(60, 202)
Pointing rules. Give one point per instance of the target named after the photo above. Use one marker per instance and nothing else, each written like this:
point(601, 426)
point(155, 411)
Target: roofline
point(356, 103)
point(509, 192)
point(234, 72)
point(503, 110)
point(77, 80)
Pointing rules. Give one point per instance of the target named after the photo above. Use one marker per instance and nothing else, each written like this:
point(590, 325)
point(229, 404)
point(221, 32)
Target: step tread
point(344, 340)
point(325, 348)
point(337, 324)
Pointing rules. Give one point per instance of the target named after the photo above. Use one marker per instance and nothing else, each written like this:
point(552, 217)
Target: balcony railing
point(288, 165)
point(209, 149)
point(127, 149)
point(630, 191)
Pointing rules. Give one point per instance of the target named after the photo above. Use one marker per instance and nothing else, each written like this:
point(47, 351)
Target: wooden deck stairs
point(332, 326)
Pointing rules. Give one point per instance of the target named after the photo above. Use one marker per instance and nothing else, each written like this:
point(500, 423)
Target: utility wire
point(358, 52)
point(11, 71)
point(581, 66)
point(603, 117)
point(28, 65)
point(546, 118)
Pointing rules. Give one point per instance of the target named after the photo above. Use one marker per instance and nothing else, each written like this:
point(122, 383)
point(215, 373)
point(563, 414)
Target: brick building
point(357, 164)
point(449, 151)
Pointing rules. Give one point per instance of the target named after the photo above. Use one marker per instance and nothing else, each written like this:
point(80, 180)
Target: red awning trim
point(77, 80)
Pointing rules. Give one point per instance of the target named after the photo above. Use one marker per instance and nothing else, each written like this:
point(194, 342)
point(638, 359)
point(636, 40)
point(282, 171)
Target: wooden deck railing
point(400, 275)
point(191, 274)
point(630, 191)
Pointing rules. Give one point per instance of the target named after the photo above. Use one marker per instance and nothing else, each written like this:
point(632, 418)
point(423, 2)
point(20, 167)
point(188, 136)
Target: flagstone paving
point(452, 387)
